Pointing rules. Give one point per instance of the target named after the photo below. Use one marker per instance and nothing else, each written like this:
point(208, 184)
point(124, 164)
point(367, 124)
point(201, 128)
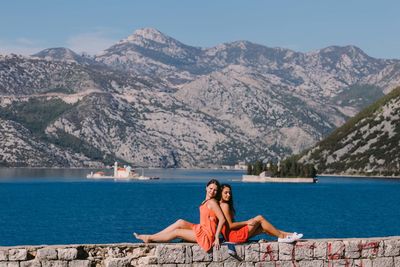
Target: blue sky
point(28, 26)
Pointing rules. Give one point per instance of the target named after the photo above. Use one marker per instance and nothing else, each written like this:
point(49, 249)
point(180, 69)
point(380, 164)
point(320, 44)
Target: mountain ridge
point(154, 101)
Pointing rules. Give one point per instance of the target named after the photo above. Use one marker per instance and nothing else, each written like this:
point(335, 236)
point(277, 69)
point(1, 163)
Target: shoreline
point(105, 167)
point(358, 176)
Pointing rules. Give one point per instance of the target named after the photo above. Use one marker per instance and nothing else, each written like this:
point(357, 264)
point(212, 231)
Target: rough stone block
point(245, 264)
point(304, 250)
point(31, 263)
point(239, 264)
point(252, 252)
point(320, 250)
point(221, 254)
point(286, 263)
point(286, 251)
point(170, 254)
point(67, 253)
point(17, 254)
point(371, 248)
point(3, 255)
point(383, 262)
point(240, 253)
point(9, 264)
point(339, 263)
point(147, 260)
point(199, 255)
point(54, 263)
point(392, 247)
point(363, 263)
point(269, 251)
point(188, 254)
point(352, 249)
point(397, 261)
point(79, 263)
point(115, 252)
point(265, 264)
point(141, 252)
point(335, 250)
point(198, 264)
point(312, 263)
point(46, 254)
point(117, 262)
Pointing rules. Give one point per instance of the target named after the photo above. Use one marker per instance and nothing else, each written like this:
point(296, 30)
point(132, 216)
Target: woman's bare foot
point(144, 238)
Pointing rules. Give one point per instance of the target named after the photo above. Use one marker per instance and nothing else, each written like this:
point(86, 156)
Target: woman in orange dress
point(240, 232)
point(205, 233)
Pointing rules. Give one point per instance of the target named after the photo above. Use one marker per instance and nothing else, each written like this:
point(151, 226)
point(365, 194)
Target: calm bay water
point(39, 206)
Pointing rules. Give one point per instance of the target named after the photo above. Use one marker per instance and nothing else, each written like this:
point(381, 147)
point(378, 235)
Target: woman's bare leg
point(167, 236)
point(262, 225)
point(179, 224)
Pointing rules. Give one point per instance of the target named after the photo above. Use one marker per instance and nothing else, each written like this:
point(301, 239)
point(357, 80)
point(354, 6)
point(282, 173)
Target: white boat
point(120, 173)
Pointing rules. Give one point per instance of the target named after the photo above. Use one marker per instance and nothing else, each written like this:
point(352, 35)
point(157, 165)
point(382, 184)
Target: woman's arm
point(227, 213)
point(213, 205)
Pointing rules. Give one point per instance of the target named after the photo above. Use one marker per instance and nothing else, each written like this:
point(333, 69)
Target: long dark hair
point(215, 181)
point(230, 202)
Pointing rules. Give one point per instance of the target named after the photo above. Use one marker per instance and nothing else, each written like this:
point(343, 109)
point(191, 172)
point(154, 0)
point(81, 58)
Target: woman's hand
point(216, 244)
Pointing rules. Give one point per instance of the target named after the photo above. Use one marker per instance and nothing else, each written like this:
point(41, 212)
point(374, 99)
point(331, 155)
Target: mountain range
point(151, 100)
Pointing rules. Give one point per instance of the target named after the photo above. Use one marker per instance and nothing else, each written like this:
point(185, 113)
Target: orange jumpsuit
point(205, 231)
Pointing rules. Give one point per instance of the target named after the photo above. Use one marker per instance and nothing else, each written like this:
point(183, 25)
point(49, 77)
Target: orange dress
point(205, 231)
point(236, 236)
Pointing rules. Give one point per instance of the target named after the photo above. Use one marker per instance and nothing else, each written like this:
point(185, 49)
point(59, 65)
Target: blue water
point(60, 207)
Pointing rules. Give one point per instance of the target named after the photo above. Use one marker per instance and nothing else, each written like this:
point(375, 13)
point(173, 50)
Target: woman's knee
point(179, 222)
point(259, 218)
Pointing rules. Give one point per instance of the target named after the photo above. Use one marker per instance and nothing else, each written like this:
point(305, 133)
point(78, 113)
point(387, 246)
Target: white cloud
point(20, 46)
point(91, 43)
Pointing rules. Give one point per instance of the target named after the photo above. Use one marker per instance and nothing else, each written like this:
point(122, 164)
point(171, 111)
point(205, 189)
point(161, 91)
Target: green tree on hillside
point(289, 167)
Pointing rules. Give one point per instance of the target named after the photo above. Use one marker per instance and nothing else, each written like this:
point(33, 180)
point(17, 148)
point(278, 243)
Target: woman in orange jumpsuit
point(240, 232)
point(205, 233)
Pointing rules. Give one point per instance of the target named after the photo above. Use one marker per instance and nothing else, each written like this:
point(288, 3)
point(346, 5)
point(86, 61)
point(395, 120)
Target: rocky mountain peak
point(339, 52)
point(57, 53)
point(63, 54)
point(148, 34)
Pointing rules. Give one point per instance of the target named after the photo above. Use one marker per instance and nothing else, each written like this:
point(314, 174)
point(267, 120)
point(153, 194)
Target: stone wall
point(372, 252)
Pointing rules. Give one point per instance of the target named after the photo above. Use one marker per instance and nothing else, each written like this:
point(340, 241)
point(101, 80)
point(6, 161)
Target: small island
point(287, 171)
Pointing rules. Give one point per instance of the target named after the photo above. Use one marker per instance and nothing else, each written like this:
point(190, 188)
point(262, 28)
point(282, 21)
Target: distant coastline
point(358, 176)
point(108, 167)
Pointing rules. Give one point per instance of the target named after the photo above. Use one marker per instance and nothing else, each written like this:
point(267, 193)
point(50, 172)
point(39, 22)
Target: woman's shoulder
point(212, 200)
point(224, 204)
point(208, 201)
